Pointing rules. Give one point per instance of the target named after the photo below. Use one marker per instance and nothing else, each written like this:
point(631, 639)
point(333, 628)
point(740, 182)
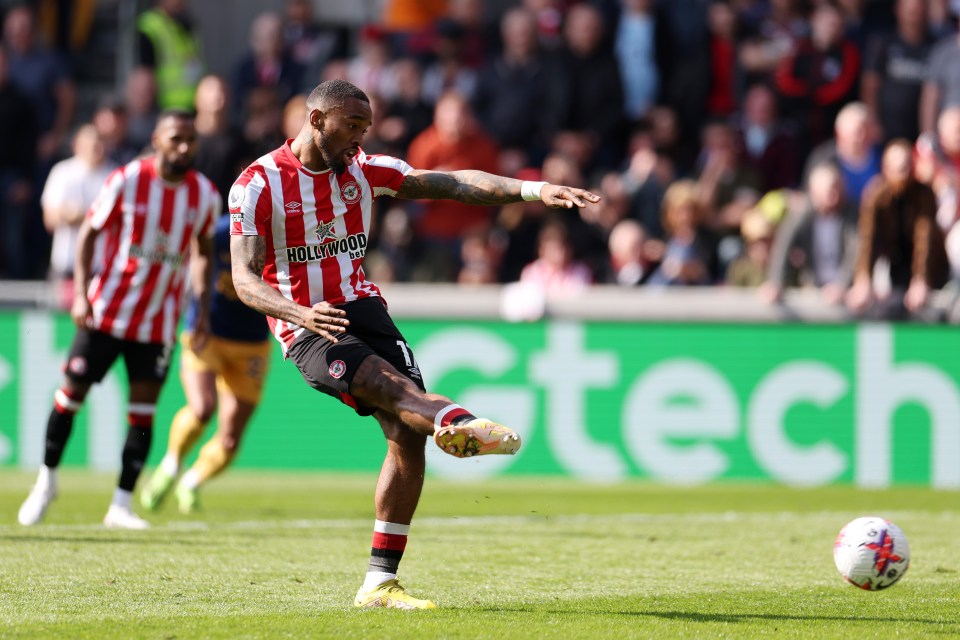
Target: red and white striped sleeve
point(385, 174)
point(109, 202)
point(249, 203)
point(211, 212)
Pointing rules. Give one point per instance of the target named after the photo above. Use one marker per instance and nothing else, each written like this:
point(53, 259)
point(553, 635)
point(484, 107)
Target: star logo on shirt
point(325, 231)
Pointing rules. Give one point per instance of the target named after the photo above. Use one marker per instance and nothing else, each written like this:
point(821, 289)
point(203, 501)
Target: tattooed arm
point(478, 187)
point(248, 255)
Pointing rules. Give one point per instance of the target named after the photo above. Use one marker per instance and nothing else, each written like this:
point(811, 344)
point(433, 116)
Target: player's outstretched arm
point(247, 256)
point(479, 187)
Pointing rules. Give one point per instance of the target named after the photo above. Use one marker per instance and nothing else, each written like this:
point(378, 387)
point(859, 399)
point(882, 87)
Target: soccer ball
point(871, 553)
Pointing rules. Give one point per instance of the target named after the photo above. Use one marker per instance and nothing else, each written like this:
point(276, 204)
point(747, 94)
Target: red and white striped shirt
point(147, 224)
point(316, 225)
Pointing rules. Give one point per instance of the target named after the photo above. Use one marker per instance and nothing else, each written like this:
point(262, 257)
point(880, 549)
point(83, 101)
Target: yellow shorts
point(241, 367)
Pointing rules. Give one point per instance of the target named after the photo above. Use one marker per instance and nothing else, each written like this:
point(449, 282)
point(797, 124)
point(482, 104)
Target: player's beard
point(333, 161)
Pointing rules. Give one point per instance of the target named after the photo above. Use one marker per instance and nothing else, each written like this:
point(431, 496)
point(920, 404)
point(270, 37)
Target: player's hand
point(860, 295)
point(81, 311)
point(200, 334)
point(557, 196)
point(917, 295)
point(326, 320)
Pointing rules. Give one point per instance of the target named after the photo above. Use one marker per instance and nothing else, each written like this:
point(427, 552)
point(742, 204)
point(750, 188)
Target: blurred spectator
point(555, 272)
point(17, 156)
point(449, 70)
point(406, 114)
point(644, 186)
point(221, 155)
point(592, 96)
point(894, 70)
point(723, 99)
point(294, 115)
point(312, 44)
point(478, 259)
point(770, 147)
point(937, 164)
point(817, 246)
point(110, 120)
point(854, 150)
point(452, 142)
point(520, 222)
point(394, 252)
point(629, 265)
point(369, 68)
point(727, 187)
point(898, 224)
point(772, 33)
point(71, 188)
point(685, 73)
point(549, 18)
point(821, 76)
point(402, 19)
point(263, 122)
point(44, 78)
point(942, 86)
point(140, 103)
point(469, 15)
point(689, 254)
point(267, 64)
point(168, 45)
point(514, 100)
point(749, 270)
point(638, 44)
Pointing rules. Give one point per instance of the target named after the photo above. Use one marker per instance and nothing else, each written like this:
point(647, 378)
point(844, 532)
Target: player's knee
point(204, 410)
point(230, 444)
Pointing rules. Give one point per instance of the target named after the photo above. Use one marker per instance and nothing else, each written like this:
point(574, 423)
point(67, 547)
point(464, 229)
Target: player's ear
point(316, 118)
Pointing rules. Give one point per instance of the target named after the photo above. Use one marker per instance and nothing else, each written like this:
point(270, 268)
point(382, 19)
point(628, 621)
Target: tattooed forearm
point(470, 187)
point(248, 254)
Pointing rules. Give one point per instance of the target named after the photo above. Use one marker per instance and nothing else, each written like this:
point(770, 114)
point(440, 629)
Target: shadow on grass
point(691, 616)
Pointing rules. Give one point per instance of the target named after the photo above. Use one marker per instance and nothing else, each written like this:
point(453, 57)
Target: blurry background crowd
point(749, 143)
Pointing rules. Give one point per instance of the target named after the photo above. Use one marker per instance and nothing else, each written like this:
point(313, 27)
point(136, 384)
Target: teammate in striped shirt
point(301, 221)
point(155, 216)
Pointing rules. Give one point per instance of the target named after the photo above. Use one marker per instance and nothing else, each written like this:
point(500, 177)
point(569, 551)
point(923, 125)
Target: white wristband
point(531, 190)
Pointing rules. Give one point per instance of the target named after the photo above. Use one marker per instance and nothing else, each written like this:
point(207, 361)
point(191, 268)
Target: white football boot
point(35, 506)
point(123, 518)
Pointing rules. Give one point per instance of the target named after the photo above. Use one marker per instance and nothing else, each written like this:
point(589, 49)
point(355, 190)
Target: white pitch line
point(469, 521)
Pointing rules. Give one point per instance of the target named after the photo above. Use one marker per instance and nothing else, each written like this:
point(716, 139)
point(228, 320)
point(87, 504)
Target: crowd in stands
point(750, 143)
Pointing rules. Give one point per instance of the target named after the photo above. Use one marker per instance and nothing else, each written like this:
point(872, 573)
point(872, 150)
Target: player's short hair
point(333, 93)
point(175, 113)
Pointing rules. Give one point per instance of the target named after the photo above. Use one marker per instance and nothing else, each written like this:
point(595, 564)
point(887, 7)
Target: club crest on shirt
point(236, 196)
point(325, 231)
point(350, 192)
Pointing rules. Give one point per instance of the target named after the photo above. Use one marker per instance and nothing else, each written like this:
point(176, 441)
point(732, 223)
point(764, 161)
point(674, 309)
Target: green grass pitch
point(281, 555)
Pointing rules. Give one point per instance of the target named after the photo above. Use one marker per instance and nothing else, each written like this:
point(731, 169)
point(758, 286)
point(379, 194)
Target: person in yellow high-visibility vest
point(169, 46)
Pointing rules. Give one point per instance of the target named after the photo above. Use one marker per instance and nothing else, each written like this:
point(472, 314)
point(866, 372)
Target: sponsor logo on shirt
point(292, 207)
point(325, 231)
point(158, 253)
point(353, 246)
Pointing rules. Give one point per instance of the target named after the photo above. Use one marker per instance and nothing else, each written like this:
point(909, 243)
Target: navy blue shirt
point(229, 318)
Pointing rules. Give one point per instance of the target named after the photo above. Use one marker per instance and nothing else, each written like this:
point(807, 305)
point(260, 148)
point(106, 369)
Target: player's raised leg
point(200, 389)
point(454, 429)
point(66, 403)
point(398, 492)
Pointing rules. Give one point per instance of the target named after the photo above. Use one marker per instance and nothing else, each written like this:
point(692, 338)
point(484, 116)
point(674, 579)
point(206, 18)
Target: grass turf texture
point(281, 555)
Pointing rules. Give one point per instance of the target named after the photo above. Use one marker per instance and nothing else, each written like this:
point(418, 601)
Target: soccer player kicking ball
point(154, 214)
point(301, 218)
point(225, 375)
